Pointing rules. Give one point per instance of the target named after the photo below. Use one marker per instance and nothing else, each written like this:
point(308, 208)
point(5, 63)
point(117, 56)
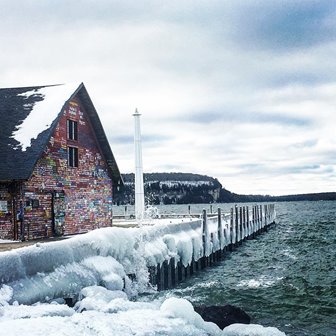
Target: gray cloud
point(247, 117)
point(306, 144)
point(285, 25)
point(146, 139)
point(240, 90)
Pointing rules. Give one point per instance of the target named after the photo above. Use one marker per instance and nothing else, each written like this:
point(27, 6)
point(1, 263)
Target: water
point(285, 278)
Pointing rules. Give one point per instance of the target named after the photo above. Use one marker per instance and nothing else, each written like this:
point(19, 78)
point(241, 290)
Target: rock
point(223, 316)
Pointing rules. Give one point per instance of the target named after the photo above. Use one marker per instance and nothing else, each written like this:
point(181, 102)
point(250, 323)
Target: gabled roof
point(29, 116)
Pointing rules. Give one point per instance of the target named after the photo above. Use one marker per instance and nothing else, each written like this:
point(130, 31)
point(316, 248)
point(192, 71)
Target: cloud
point(242, 91)
point(247, 117)
point(285, 25)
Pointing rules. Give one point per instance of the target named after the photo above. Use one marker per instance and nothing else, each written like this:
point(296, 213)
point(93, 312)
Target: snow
point(104, 312)
point(251, 330)
point(6, 241)
point(94, 270)
point(44, 112)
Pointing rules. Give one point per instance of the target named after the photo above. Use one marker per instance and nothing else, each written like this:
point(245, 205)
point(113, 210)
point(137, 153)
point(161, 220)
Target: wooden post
point(193, 269)
point(180, 271)
point(212, 253)
point(205, 232)
point(254, 219)
point(231, 229)
point(240, 225)
point(220, 228)
point(189, 209)
point(258, 219)
point(224, 244)
point(165, 269)
point(244, 223)
point(176, 273)
point(203, 229)
point(248, 222)
point(160, 277)
point(199, 264)
point(236, 225)
point(187, 271)
point(169, 281)
point(172, 273)
point(261, 217)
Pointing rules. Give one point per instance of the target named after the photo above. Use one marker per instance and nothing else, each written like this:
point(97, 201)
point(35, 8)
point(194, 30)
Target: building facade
point(67, 188)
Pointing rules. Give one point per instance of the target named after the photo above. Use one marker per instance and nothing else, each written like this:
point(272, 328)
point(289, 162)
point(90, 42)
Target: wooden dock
point(232, 229)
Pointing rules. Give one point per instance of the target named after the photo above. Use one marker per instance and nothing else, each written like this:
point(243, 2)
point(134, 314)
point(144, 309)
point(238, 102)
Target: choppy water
point(285, 278)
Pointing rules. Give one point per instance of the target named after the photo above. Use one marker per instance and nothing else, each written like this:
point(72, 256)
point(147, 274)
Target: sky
point(243, 91)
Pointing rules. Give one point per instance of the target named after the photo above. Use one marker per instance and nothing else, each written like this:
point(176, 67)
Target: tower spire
point(139, 184)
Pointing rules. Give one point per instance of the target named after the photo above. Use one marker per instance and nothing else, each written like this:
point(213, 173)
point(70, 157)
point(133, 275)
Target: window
point(72, 129)
point(72, 157)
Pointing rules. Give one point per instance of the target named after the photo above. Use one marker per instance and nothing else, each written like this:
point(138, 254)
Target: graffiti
point(3, 207)
point(87, 189)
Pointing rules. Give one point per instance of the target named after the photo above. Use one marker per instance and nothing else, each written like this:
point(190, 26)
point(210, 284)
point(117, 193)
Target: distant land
point(188, 188)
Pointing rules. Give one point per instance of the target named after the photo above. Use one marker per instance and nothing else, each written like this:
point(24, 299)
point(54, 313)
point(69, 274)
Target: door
point(58, 204)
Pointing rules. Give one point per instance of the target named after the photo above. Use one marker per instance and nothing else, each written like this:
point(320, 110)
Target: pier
point(163, 251)
point(220, 233)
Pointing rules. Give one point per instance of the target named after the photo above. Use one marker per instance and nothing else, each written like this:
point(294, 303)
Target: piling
point(240, 225)
point(231, 230)
point(248, 224)
point(219, 228)
point(236, 225)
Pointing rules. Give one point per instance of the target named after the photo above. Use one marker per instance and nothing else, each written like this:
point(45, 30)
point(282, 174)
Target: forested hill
point(172, 188)
point(164, 177)
point(187, 188)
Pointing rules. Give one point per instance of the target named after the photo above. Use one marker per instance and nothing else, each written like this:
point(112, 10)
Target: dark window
point(72, 129)
point(72, 157)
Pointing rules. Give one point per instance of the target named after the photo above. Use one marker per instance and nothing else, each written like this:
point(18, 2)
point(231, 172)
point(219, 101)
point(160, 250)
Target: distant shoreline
point(189, 188)
point(324, 196)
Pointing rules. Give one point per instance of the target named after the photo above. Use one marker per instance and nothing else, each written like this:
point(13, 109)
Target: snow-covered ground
point(94, 269)
point(6, 241)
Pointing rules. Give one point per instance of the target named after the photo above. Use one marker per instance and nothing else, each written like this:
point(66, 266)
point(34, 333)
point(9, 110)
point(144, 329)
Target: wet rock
point(223, 316)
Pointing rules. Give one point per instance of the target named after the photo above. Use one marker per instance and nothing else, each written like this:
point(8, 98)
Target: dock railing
point(220, 233)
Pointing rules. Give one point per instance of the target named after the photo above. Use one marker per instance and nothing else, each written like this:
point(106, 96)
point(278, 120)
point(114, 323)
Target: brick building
point(57, 170)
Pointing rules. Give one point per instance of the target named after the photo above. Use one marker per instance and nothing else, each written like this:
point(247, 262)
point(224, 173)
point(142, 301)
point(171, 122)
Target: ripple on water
point(285, 278)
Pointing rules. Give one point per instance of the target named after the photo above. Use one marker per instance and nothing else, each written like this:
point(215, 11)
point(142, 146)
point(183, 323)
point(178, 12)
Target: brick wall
point(87, 188)
point(6, 226)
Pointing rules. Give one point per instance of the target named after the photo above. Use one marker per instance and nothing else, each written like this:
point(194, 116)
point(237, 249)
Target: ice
point(6, 294)
point(104, 312)
point(251, 330)
point(16, 312)
point(181, 308)
point(96, 269)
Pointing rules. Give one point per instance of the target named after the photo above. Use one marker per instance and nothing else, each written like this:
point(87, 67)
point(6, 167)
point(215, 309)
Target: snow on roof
point(44, 112)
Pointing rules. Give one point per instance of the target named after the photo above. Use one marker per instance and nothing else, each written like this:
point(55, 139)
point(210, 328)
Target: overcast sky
point(244, 91)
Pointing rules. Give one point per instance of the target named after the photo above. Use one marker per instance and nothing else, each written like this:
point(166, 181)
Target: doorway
point(58, 207)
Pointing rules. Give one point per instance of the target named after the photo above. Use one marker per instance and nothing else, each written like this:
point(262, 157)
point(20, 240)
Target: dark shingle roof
point(22, 141)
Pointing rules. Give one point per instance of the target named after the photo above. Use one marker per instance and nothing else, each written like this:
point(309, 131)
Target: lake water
point(285, 278)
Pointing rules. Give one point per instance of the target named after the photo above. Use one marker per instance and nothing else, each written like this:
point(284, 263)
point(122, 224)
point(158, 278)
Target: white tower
point(139, 185)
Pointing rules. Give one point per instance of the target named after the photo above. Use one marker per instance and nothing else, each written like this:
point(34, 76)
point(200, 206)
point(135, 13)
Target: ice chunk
point(181, 308)
point(238, 329)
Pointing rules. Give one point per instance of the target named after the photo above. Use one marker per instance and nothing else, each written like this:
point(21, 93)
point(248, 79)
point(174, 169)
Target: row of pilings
point(241, 224)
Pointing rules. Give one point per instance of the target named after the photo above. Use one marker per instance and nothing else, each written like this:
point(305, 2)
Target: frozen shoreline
point(96, 265)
